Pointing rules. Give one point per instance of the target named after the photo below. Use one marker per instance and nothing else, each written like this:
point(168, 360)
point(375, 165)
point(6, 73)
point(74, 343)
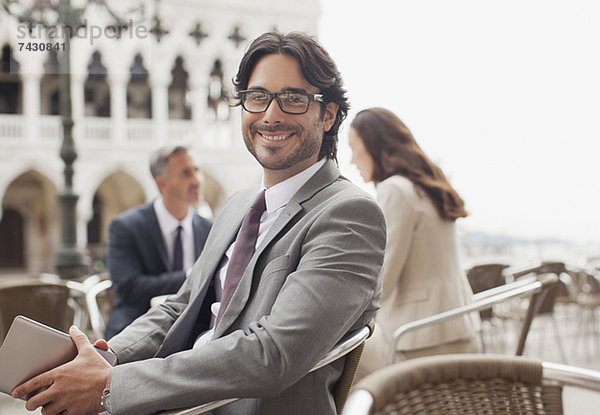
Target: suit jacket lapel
point(228, 225)
point(199, 236)
point(325, 176)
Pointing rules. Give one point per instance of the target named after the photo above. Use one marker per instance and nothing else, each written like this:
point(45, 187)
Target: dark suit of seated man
point(142, 241)
point(311, 273)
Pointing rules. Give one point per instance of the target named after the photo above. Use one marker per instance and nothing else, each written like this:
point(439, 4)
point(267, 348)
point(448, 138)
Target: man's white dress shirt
point(277, 198)
point(168, 227)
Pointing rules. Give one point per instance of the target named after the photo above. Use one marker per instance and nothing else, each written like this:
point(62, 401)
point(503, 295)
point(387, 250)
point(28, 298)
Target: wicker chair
point(45, 302)
point(483, 277)
point(468, 384)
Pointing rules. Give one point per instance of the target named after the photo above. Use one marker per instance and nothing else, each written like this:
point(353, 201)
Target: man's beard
point(306, 147)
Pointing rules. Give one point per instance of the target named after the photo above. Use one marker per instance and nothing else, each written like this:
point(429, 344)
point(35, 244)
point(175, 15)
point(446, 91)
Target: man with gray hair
point(151, 247)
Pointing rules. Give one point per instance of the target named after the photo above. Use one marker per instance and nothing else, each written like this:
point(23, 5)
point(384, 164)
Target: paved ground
point(580, 347)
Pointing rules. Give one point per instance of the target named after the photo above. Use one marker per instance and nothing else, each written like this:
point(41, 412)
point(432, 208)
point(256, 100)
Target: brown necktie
point(245, 244)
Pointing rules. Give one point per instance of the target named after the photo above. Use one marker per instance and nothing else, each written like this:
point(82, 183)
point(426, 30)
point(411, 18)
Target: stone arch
point(50, 85)
point(12, 240)
point(179, 106)
point(214, 196)
point(139, 94)
point(117, 193)
point(217, 92)
point(34, 197)
point(96, 89)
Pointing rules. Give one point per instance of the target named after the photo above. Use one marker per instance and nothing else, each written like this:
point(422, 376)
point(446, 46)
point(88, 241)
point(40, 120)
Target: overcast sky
point(503, 95)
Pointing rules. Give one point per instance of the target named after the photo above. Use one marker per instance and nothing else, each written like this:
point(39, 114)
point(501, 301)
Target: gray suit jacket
point(314, 277)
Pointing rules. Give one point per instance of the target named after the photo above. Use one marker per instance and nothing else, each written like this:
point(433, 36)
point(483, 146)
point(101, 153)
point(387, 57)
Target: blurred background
point(504, 96)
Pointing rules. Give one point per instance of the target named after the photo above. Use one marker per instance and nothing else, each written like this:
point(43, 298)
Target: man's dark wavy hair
point(317, 67)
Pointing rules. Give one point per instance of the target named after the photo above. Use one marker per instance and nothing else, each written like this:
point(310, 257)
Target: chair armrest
point(343, 347)
point(508, 287)
point(360, 402)
point(511, 271)
point(482, 300)
point(200, 409)
point(96, 320)
point(571, 375)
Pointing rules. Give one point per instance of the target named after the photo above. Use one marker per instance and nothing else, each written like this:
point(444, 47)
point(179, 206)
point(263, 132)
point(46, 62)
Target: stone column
point(77, 96)
point(199, 86)
point(78, 104)
point(160, 107)
point(118, 106)
point(31, 106)
point(230, 62)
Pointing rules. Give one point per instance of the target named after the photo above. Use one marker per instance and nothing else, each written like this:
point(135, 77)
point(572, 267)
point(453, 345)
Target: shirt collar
point(169, 223)
point(280, 194)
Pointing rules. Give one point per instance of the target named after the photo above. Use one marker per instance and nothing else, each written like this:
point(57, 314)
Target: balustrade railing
point(50, 128)
point(15, 130)
point(140, 131)
point(181, 131)
point(96, 129)
point(12, 129)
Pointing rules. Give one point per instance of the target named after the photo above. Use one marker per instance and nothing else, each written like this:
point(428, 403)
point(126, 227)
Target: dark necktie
point(197, 318)
point(243, 250)
point(178, 251)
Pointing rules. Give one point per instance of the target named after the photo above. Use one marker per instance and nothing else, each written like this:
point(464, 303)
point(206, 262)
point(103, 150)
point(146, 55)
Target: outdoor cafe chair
point(483, 277)
point(46, 302)
point(517, 312)
point(468, 384)
point(583, 289)
point(536, 287)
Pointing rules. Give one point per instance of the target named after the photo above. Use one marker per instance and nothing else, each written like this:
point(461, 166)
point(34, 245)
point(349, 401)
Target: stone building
point(163, 83)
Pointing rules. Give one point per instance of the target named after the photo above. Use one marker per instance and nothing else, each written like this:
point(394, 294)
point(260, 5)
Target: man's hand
point(74, 388)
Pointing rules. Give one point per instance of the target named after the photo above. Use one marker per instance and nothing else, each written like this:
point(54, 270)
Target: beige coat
point(422, 274)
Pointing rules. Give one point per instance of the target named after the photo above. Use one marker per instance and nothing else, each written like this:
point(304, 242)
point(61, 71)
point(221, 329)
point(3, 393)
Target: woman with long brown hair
point(421, 270)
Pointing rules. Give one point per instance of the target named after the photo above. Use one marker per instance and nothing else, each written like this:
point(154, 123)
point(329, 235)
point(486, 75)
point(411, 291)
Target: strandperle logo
point(83, 30)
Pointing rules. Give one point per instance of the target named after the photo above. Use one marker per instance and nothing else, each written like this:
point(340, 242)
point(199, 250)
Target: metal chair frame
point(84, 300)
point(78, 288)
point(583, 291)
point(97, 322)
point(536, 286)
point(485, 276)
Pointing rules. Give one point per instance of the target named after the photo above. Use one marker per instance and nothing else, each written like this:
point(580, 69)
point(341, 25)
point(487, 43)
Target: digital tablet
point(31, 348)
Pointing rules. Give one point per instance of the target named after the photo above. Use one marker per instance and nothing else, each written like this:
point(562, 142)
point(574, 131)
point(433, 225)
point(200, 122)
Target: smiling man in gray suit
point(313, 275)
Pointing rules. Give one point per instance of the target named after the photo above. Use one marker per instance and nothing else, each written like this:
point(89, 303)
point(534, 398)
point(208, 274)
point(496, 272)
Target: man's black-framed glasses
point(290, 102)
